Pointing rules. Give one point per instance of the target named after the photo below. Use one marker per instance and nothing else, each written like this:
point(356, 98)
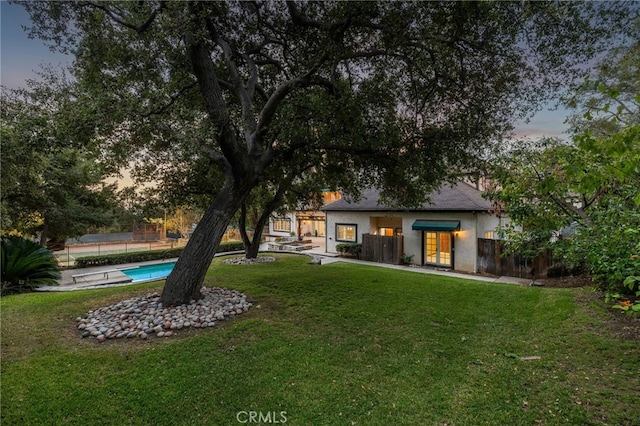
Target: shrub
point(120, 258)
point(26, 265)
point(144, 256)
point(608, 248)
point(353, 249)
point(230, 246)
point(406, 259)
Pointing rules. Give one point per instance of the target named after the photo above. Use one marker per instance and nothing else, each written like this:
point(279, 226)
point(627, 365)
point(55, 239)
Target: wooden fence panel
point(491, 261)
point(382, 249)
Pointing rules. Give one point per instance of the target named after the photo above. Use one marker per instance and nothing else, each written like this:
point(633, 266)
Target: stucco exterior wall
point(360, 219)
point(472, 227)
point(292, 217)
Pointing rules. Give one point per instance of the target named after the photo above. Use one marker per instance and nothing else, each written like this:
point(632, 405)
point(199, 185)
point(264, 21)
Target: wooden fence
point(491, 261)
point(382, 249)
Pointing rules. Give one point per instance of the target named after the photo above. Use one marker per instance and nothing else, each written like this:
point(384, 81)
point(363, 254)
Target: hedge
point(143, 256)
point(353, 249)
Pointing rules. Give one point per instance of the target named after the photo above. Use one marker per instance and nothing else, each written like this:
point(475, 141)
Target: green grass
point(337, 344)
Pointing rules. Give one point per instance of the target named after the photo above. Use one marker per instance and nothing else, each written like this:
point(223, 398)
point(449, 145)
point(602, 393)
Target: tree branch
point(243, 93)
point(596, 195)
point(118, 18)
point(299, 19)
point(253, 75)
point(172, 100)
point(269, 109)
point(215, 104)
point(569, 208)
point(217, 158)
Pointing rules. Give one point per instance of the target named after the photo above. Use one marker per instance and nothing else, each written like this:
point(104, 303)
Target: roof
point(460, 197)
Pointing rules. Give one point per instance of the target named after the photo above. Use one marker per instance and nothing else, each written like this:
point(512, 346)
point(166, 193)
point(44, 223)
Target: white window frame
point(347, 225)
point(281, 220)
point(444, 259)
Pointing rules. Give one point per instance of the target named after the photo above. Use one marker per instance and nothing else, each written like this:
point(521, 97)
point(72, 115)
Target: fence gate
point(382, 249)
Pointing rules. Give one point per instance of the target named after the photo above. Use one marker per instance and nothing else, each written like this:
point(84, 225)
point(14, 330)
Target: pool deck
point(97, 277)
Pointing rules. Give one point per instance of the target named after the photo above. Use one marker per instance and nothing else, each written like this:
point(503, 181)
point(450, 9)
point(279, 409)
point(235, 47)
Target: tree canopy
point(51, 175)
point(415, 90)
point(581, 197)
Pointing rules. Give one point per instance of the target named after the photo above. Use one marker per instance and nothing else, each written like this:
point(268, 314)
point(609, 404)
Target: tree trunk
point(242, 227)
point(257, 234)
point(252, 245)
point(44, 234)
point(251, 251)
point(243, 163)
point(185, 281)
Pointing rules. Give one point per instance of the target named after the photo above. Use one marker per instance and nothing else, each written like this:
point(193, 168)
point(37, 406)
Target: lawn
point(337, 344)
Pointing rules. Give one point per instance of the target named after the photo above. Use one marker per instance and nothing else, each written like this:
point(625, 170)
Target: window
point(437, 248)
point(282, 224)
point(489, 235)
point(330, 197)
point(389, 232)
point(347, 233)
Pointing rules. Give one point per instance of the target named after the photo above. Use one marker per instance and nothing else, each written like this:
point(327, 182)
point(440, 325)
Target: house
point(442, 233)
point(304, 222)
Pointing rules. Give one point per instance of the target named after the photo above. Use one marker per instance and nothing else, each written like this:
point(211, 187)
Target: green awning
point(436, 225)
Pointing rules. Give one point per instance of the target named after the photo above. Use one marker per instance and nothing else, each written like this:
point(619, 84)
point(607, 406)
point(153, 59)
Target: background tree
point(181, 220)
point(590, 184)
point(51, 177)
point(297, 191)
point(131, 204)
point(608, 101)
point(204, 83)
point(533, 184)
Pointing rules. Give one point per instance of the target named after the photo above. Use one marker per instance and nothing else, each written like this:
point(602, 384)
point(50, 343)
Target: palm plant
point(25, 265)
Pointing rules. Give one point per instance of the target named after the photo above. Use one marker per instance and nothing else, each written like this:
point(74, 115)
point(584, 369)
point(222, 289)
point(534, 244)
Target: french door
point(437, 248)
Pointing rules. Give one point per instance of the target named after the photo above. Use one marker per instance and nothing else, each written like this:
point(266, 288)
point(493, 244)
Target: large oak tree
point(426, 86)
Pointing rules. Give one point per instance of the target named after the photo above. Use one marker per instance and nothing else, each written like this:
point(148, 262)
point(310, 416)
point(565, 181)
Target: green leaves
point(589, 185)
point(26, 265)
point(52, 175)
point(436, 82)
point(353, 249)
point(632, 282)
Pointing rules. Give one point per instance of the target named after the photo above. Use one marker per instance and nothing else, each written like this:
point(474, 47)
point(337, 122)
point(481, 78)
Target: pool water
point(149, 272)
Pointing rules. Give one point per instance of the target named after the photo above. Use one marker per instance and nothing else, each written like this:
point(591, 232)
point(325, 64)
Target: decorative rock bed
point(145, 316)
point(245, 261)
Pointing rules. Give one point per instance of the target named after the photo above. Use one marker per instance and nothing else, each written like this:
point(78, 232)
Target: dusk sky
point(20, 56)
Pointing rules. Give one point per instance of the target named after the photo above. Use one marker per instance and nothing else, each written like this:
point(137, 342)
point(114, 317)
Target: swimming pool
point(149, 272)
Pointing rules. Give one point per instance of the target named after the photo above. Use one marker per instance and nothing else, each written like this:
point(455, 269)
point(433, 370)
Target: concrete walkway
point(427, 270)
point(110, 275)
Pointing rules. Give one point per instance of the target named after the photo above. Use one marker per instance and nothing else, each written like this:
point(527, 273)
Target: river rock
point(145, 315)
